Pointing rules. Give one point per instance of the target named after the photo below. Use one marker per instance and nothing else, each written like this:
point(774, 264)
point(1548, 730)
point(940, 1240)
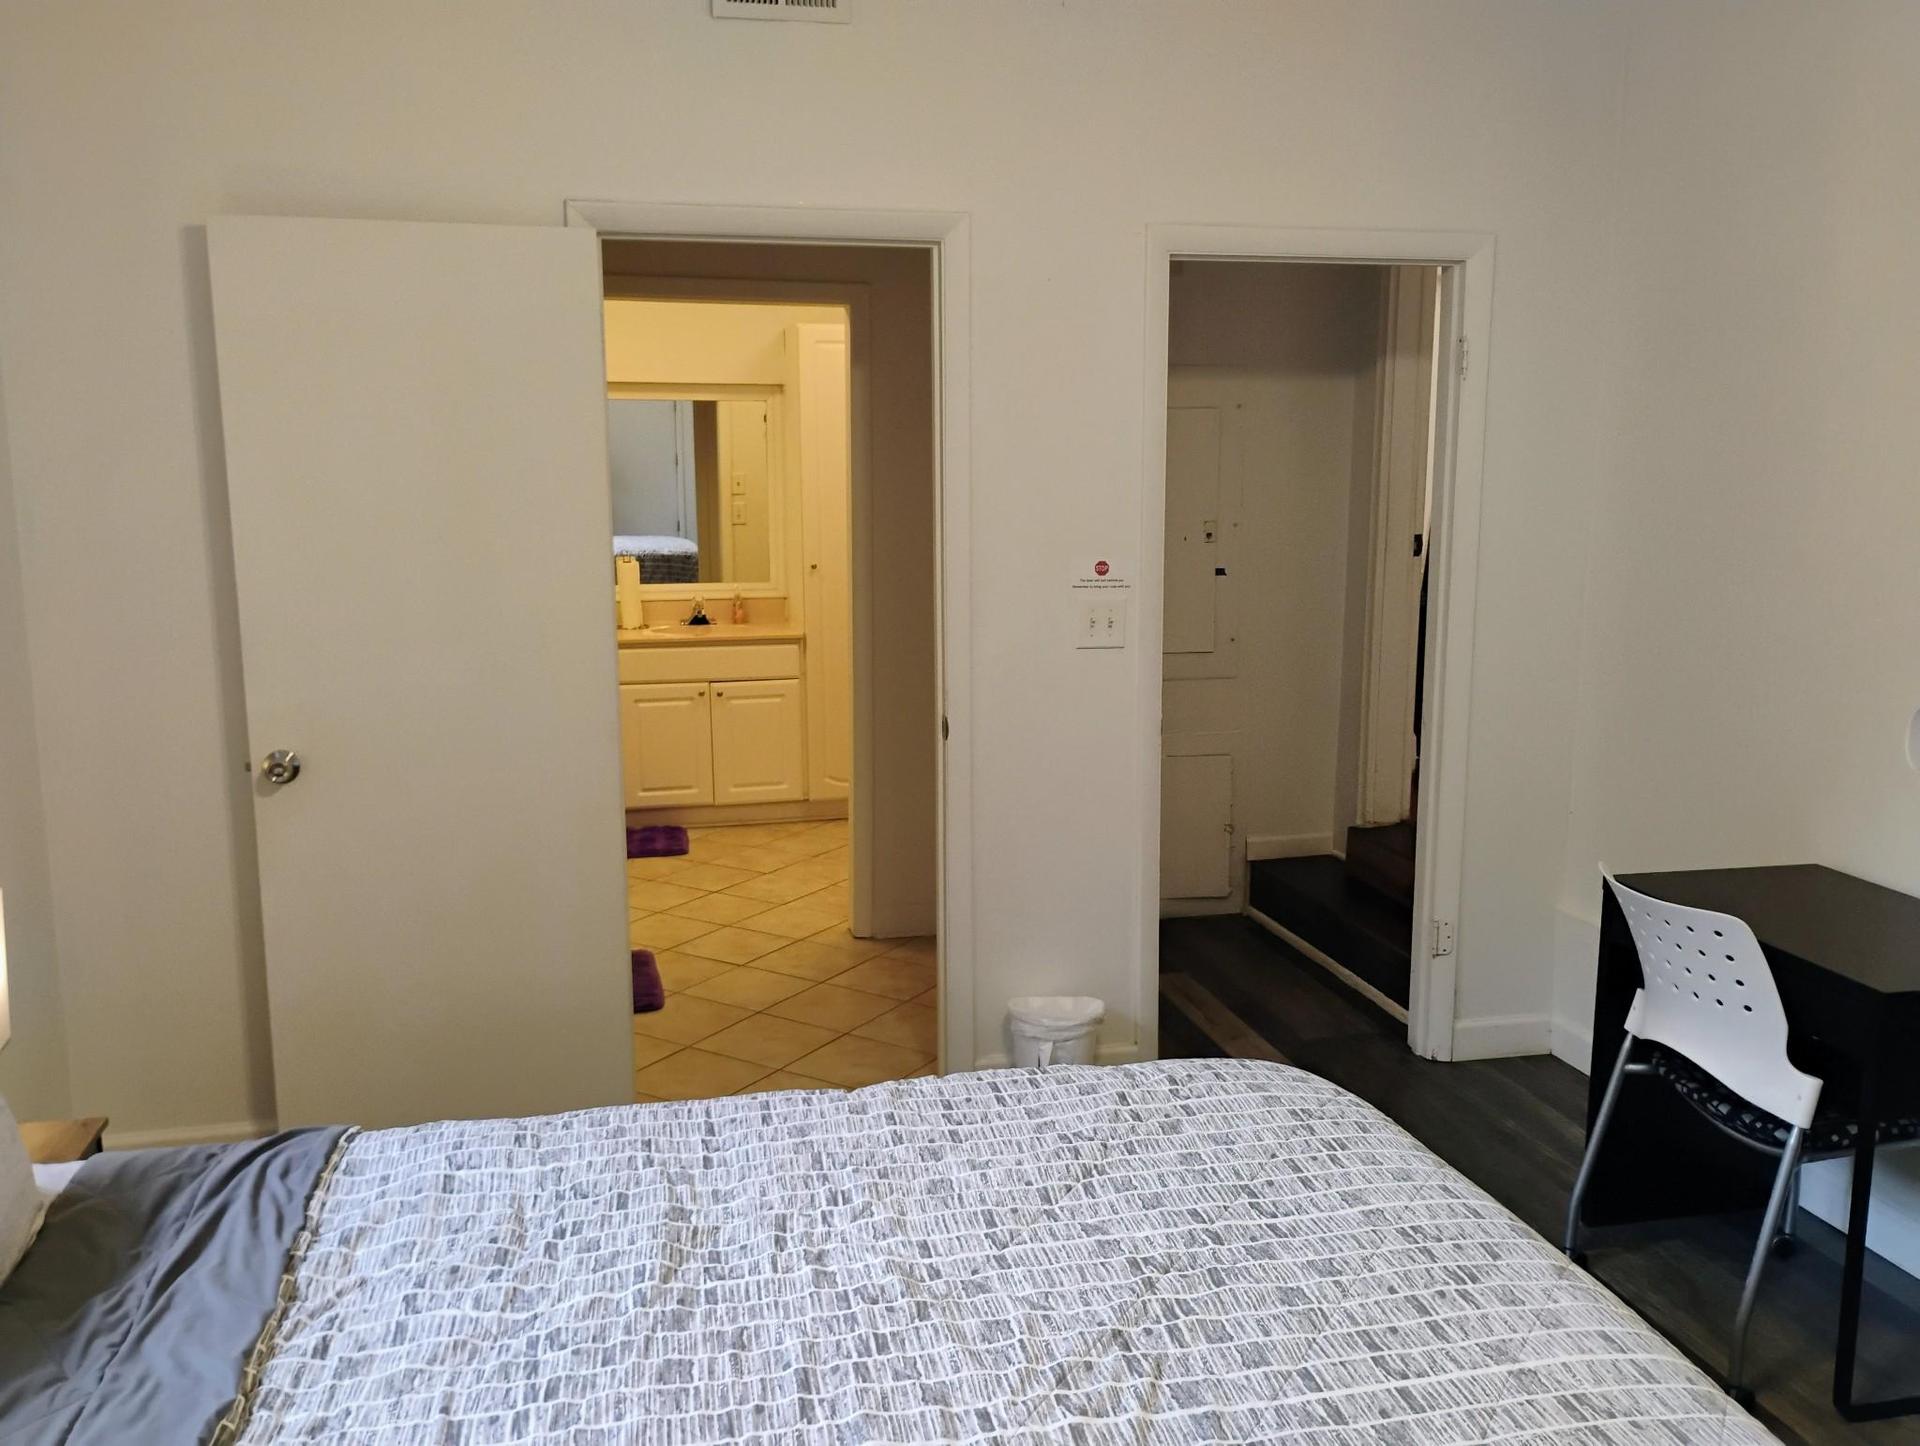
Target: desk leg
point(1853, 1268)
point(1853, 1276)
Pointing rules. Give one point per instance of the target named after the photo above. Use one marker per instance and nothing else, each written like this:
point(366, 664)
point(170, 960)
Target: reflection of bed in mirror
point(661, 558)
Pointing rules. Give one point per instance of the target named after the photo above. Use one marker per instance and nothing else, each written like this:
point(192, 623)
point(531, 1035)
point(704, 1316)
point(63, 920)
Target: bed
point(1200, 1250)
point(662, 558)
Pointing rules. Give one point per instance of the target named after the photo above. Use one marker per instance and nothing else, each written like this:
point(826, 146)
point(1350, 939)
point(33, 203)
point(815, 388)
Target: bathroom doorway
point(778, 670)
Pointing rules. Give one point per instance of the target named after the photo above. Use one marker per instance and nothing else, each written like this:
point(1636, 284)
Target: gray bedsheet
point(132, 1316)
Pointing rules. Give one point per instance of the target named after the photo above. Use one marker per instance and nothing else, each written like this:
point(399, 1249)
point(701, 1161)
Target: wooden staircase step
point(1381, 858)
point(1360, 928)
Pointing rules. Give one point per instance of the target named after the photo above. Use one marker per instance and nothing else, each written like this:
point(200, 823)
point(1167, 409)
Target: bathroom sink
point(709, 633)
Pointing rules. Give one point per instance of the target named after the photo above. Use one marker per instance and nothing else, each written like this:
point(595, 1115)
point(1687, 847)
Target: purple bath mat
point(656, 841)
point(648, 995)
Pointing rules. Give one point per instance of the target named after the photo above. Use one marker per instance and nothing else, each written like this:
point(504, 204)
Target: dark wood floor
point(1516, 1127)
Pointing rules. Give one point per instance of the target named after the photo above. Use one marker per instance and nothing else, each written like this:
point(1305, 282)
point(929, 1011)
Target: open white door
point(1402, 488)
point(415, 424)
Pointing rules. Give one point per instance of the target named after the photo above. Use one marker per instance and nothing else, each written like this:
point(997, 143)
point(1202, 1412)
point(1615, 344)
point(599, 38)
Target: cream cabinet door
point(666, 744)
point(759, 745)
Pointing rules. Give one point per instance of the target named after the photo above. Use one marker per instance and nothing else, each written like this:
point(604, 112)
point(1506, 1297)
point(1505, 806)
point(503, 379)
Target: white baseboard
point(1127, 1053)
point(1199, 908)
point(1573, 1043)
point(914, 927)
point(1287, 845)
point(215, 1134)
point(709, 815)
point(1499, 1036)
point(1893, 1220)
point(1576, 950)
point(1327, 962)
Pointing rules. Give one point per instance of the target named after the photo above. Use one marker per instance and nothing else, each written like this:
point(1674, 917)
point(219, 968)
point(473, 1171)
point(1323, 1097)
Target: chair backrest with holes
point(1710, 995)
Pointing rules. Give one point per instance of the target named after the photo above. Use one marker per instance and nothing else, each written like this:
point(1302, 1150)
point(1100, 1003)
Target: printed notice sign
point(1101, 572)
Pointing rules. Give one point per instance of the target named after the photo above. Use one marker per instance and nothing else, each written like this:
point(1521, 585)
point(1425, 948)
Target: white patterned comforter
point(1206, 1250)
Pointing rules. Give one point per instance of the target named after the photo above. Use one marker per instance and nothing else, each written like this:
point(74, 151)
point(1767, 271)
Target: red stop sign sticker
point(1100, 569)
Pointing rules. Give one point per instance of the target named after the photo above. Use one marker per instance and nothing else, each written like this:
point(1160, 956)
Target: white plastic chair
point(1708, 994)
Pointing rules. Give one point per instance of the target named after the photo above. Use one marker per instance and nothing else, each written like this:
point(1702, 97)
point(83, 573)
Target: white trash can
point(1054, 1028)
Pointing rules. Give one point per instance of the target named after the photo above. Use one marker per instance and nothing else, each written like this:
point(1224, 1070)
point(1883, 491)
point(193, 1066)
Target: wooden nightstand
point(57, 1142)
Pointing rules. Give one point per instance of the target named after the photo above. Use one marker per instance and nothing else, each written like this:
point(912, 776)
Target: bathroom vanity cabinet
point(712, 723)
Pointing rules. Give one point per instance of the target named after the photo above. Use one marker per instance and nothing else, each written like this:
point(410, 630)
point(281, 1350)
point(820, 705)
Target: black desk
point(1846, 957)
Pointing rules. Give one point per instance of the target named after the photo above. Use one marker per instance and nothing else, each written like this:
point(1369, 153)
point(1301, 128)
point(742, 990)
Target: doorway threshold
point(1361, 936)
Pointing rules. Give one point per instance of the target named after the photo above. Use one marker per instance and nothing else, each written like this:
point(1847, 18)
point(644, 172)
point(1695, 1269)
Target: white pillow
point(21, 1204)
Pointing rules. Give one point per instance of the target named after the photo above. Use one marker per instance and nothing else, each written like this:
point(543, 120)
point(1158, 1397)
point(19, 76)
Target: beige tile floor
point(766, 988)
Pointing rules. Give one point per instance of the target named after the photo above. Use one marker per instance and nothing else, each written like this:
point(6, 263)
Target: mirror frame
point(780, 496)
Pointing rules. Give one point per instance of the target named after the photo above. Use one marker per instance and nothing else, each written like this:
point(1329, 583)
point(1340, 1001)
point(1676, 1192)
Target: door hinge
point(943, 728)
point(1442, 938)
point(1463, 358)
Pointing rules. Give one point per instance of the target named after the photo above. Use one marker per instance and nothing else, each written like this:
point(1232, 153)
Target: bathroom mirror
point(693, 488)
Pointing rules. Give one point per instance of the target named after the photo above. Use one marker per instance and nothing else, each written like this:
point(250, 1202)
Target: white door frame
point(1459, 452)
point(946, 235)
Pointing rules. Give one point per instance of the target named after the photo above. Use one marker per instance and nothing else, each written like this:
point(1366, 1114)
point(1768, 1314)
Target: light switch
point(1103, 625)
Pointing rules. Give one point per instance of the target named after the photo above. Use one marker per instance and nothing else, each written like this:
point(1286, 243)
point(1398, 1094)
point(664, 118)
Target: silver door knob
point(280, 766)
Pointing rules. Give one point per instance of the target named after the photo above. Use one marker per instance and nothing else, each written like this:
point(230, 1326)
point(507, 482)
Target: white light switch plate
point(1103, 625)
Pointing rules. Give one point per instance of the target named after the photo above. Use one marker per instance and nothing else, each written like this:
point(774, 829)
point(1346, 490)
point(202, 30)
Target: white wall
point(1062, 129)
point(1751, 651)
point(1289, 349)
point(33, 1066)
point(699, 343)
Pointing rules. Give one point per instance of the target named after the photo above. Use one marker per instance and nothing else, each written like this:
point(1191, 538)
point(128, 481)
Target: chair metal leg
point(1600, 1123)
point(1783, 1243)
point(1783, 1184)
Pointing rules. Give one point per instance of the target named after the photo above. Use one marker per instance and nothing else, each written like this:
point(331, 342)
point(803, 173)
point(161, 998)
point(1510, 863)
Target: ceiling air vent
point(831, 12)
